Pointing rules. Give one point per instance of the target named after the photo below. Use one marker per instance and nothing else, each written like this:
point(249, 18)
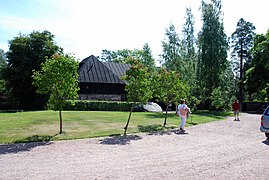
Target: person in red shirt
point(236, 108)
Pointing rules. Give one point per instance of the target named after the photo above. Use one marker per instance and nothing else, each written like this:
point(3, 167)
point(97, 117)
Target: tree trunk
point(125, 128)
point(165, 115)
point(61, 122)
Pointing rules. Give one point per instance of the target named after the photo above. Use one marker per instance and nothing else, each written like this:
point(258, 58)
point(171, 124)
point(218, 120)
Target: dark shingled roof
point(94, 71)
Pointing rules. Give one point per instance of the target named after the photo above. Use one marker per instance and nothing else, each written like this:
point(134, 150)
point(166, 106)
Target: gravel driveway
point(225, 149)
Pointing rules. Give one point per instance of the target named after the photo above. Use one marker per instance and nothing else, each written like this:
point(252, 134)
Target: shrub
point(86, 105)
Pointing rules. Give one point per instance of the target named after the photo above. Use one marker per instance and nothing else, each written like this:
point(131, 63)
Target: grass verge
point(44, 125)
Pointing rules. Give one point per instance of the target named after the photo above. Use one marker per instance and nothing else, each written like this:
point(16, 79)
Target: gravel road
point(218, 150)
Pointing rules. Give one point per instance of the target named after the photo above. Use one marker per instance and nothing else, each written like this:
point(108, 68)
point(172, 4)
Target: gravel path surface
point(218, 150)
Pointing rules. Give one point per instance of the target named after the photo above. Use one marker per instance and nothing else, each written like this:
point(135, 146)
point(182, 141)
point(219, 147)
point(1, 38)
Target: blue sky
point(85, 27)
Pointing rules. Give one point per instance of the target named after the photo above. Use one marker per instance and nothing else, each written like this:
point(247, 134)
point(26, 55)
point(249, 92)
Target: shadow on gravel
point(36, 138)
point(266, 142)
point(157, 129)
point(20, 147)
point(120, 140)
point(160, 133)
point(178, 132)
point(25, 144)
point(168, 132)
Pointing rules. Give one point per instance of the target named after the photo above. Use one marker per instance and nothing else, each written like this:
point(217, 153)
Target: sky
point(86, 27)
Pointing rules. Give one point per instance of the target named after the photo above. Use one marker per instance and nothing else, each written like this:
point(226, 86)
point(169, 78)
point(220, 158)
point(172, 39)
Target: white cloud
point(85, 27)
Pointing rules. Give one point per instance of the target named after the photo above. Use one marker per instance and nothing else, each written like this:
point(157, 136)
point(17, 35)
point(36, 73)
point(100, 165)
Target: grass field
point(44, 125)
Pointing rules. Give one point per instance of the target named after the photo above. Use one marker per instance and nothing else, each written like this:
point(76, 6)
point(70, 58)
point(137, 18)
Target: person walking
point(236, 108)
point(182, 112)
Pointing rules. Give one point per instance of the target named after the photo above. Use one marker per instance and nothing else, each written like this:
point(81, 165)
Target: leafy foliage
point(168, 88)
point(26, 53)
point(3, 65)
point(219, 100)
point(125, 56)
point(189, 52)
point(242, 41)
point(171, 57)
point(138, 87)
point(58, 78)
point(257, 76)
point(84, 105)
point(213, 46)
point(147, 58)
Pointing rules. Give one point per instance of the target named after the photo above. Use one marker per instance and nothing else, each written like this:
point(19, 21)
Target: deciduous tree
point(171, 56)
point(138, 85)
point(58, 79)
point(168, 88)
point(26, 53)
point(257, 76)
point(144, 56)
point(213, 46)
point(189, 52)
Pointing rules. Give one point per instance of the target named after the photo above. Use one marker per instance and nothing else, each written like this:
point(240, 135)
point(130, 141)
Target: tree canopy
point(213, 46)
point(138, 85)
point(171, 56)
point(144, 56)
point(58, 79)
point(257, 75)
point(26, 53)
point(168, 88)
point(242, 41)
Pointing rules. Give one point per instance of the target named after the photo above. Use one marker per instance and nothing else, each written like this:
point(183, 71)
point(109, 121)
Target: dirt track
point(218, 150)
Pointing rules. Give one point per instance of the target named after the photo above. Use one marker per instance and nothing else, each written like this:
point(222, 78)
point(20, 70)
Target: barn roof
point(94, 71)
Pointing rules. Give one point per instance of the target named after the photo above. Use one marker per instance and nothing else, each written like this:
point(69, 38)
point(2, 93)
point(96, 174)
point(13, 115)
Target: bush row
point(86, 105)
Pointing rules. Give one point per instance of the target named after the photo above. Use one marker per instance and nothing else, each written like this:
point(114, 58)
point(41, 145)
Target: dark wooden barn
point(101, 80)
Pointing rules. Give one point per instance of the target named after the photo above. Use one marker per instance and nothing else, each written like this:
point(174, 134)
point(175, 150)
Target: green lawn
point(44, 125)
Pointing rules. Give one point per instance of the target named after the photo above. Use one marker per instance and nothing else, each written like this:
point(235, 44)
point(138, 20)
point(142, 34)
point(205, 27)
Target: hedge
point(86, 105)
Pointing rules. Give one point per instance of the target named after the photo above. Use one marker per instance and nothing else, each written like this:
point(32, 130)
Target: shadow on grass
point(120, 140)
point(156, 129)
point(160, 115)
point(25, 144)
point(151, 128)
point(191, 123)
point(35, 138)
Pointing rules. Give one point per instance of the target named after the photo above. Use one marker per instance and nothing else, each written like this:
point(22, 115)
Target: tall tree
point(213, 46)
point(257, 75)
point(26, 53)
point(58, 78)
point(189, 52)
point(188, 38)
point(171, 57)
point(147, 58)
point(241, 42)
